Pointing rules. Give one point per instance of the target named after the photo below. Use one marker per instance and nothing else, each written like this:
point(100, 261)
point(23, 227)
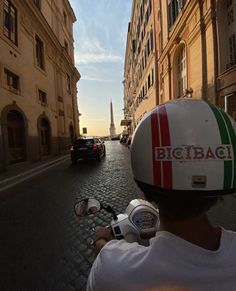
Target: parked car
point(87, 148)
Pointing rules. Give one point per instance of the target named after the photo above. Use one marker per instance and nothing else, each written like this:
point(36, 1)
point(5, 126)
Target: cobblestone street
point(44, 246)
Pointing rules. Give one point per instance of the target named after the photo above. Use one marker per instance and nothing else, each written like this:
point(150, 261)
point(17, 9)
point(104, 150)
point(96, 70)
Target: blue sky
point(100, 38)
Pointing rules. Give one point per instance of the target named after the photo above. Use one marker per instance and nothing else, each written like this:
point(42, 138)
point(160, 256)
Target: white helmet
point(187, 146)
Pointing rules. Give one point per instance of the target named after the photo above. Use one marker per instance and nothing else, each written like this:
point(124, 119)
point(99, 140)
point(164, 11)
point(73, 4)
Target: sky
point(100, 38)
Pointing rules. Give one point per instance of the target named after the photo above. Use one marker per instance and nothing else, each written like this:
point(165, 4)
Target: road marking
point(29, 174)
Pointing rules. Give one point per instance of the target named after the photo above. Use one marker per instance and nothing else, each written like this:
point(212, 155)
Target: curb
point(18, 178)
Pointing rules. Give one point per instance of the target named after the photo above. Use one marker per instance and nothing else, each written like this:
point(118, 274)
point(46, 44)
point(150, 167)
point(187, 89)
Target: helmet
point(185, 146)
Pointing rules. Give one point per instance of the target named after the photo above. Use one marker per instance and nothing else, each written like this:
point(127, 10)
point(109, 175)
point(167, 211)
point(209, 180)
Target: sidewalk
point(25, 171)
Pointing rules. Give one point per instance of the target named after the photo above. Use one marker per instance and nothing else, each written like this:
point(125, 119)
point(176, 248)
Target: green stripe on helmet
point(233, 142)
point(225, 139)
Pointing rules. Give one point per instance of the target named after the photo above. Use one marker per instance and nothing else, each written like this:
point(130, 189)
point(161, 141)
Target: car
point(87, 148)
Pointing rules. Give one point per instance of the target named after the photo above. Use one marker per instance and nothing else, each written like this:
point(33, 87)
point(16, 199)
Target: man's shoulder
point(119, 247)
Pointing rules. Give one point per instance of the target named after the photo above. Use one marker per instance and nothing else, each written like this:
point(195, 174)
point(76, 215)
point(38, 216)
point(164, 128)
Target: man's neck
point(197, 230)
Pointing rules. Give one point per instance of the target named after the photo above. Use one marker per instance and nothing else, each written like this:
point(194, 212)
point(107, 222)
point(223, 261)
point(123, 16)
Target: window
point(12, 80)
point(152, 78)
point(61, 112)
point(161, 81)
point(149, 81)
point(148, 46)
point(232, 51)
point(42, 97)
point(60, 98)
point(230, 12)
point(229, 3)
point(174, 8)
point(10, 21)
point(69, 110)
point(141, 12)
point(68, 84)
point(65, 18)
point(138, 28)
point(133, 46)
point(38, 3)
point(182, 71)
point(150, 6)
point(66, 46)
point(230, 16)
point(39, 52)
point(146, 17)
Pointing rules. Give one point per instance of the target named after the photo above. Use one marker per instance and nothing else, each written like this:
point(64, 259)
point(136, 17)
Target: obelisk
point(112, 125)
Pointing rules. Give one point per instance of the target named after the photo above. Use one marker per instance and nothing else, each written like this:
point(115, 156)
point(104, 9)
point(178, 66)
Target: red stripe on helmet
point(165, 141)
point(155, 143)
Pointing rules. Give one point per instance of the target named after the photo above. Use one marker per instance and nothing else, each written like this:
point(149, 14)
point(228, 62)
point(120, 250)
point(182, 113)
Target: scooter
point(139, 223)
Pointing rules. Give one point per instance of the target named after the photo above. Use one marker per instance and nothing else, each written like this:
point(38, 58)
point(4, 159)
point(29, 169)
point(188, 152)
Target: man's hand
point(100, 237)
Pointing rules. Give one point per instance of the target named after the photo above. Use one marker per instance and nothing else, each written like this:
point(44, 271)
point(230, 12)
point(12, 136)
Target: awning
point(125, 122)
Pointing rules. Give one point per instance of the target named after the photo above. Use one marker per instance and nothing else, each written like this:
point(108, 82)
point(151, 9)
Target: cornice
point(54, 6)
point(67, 4)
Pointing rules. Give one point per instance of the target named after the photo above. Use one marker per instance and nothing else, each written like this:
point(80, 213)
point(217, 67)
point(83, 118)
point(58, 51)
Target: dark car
point(87, 148)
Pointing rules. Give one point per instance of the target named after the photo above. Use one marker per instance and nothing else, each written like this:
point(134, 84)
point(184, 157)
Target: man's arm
point(101, 236)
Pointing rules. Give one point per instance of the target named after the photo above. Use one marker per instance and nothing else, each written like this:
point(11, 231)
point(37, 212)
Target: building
point(225, 30)
point(38, 105)
point(195, 48)
point(140, 86)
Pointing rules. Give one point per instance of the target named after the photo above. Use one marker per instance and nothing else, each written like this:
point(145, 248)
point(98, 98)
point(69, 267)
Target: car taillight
point(94, 146)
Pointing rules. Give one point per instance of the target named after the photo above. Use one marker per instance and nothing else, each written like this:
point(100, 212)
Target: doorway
point(45, 137)
point(16, 137)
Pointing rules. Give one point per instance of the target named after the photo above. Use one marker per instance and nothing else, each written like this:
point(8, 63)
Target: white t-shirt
point(169, 263)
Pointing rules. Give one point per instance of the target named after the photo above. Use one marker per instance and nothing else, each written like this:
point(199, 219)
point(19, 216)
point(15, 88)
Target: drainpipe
point(155, 55)
point(169, 73)
point(215, 47)
point(203, 50)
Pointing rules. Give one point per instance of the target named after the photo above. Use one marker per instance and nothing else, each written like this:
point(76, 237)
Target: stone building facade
point(38, 104)
point(195, 48)
point(140, 91)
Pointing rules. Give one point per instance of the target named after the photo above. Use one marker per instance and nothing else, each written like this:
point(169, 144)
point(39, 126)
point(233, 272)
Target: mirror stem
point(109, 209)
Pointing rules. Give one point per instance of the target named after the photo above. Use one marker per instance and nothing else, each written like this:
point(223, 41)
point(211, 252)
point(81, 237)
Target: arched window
point(181, 63)
point(16, 136)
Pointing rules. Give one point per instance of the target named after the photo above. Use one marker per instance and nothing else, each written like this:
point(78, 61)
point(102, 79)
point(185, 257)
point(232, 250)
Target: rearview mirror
point(87, 206)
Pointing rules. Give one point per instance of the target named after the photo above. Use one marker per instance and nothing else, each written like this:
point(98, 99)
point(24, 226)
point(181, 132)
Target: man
point(183, 157)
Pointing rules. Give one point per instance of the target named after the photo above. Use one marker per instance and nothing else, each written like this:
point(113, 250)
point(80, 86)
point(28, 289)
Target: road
point(44, 246)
